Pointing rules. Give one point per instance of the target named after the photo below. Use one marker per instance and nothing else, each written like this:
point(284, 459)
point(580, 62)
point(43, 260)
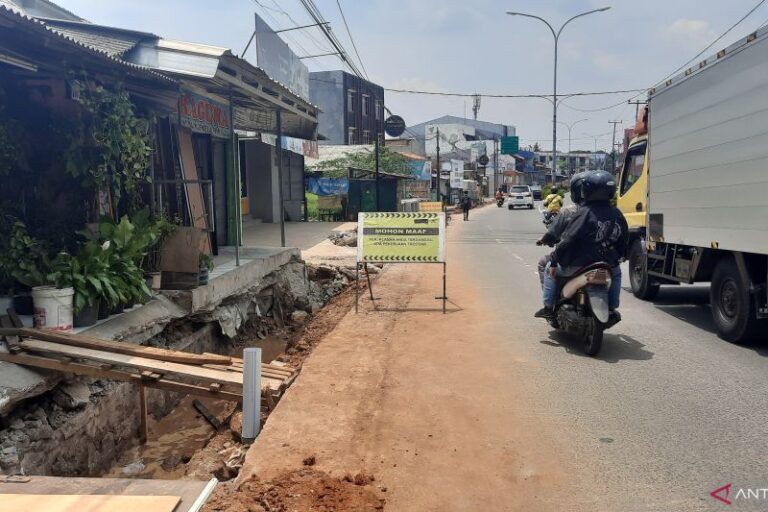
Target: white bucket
point(53, 308)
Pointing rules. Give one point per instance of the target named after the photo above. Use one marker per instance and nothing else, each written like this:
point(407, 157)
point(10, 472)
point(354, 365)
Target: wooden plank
point(197, 373)
point(12, 340)
point(93, 371)
point(91, 503)
point(194, 191)
point(161, 354)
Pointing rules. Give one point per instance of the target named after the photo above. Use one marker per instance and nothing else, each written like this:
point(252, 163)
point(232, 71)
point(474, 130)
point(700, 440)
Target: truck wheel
point(732, 304)
point(642, 286)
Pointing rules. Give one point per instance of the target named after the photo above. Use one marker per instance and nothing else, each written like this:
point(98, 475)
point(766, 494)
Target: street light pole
point(570, 127)
point(556, 35)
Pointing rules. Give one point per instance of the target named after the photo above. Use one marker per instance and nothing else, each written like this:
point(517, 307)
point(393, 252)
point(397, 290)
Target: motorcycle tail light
point(599, 276)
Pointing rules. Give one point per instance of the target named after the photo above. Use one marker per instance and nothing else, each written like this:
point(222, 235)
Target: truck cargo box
point(708, 172)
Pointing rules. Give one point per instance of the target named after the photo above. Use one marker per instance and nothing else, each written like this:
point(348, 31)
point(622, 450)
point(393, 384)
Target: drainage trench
point(89, 427)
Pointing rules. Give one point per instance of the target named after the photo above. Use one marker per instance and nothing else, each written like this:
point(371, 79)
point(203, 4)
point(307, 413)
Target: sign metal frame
point(401, 234)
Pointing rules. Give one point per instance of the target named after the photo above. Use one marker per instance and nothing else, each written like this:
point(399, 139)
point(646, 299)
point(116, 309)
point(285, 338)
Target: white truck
point(703, 166)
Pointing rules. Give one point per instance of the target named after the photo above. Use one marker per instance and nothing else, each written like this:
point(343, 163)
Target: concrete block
point(18, 383)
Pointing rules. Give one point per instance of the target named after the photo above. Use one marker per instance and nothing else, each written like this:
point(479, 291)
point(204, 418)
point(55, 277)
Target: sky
point(473, 47)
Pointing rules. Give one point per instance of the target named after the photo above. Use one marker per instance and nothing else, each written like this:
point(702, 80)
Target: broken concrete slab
point(17, 383)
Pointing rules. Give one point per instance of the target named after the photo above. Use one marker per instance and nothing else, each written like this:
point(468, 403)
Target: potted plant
point(206, 265)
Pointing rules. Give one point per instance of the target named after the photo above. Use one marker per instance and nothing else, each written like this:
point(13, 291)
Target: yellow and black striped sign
point(406, 237)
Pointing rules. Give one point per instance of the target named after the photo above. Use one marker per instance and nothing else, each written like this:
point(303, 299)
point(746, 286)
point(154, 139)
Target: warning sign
point(401, 237)
point(430, 206)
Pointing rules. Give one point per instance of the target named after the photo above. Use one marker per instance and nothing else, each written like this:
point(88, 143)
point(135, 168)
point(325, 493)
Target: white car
point(520, 195)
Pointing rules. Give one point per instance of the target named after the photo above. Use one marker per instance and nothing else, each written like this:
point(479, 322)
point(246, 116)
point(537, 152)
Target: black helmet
point(554, 190)
point(577, 187)
point(598, 186)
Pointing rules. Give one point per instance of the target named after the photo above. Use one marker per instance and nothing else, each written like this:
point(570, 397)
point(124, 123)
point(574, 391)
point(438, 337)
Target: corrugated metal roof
point(111, 42)
point(7, 10)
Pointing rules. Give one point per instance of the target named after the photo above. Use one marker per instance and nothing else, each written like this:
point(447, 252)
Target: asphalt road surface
point(665, 414)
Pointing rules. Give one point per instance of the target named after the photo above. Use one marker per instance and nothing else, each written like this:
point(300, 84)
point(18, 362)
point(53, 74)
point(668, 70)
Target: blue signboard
point(328, 186)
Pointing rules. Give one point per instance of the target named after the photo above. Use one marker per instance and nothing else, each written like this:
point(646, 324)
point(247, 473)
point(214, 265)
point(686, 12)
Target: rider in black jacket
point(597, 232)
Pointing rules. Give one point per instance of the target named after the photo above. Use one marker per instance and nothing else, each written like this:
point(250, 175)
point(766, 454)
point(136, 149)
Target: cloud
point(691, 31)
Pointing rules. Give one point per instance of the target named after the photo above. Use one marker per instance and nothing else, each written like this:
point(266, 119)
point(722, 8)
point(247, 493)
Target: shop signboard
point(204, 115)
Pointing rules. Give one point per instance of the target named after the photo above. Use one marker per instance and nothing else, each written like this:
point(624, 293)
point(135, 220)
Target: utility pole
point(376, 149)
point(637, 106)
point(439, 170)
point(497, 174)
point(613, 144)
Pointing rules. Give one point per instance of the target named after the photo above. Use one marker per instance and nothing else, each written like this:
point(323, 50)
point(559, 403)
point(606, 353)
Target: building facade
point(352, 108)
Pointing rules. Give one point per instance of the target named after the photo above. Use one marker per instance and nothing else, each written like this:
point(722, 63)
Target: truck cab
point(632, 191)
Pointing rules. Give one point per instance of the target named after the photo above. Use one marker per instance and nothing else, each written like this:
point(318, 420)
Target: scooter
point(547, 217)
point(500, 201)
point(582, 307)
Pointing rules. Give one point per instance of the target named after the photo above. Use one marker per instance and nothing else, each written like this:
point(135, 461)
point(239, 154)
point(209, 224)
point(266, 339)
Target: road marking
point(498, 241)
point(517, 256)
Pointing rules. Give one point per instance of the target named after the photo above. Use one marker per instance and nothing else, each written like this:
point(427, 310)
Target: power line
point(351, 39)
point(544, 95)
point(710, 45)
point(317, 16)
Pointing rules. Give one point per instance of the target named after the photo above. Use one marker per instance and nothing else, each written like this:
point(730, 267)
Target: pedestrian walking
point(466, 204)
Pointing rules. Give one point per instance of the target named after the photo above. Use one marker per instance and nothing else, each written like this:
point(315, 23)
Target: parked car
point(520, 195)
point(536, 191)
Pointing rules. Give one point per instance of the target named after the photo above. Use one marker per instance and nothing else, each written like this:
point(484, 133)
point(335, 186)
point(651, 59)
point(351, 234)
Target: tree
point(389, 161)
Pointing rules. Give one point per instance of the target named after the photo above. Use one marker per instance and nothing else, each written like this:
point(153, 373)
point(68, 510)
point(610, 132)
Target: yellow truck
point(694, 187)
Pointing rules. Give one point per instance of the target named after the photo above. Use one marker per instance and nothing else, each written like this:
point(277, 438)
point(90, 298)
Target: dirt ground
point(305, 490)
point(421, 401)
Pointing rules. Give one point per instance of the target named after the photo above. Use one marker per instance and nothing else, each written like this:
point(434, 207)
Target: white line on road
point(517, 256)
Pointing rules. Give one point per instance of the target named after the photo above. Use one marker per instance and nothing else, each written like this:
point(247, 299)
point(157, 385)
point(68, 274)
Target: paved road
point(665, 414)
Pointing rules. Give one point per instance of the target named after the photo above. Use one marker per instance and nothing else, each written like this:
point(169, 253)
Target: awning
point(255, 96)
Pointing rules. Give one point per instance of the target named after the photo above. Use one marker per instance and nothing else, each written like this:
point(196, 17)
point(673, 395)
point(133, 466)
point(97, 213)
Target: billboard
point(277, 59)
point(457, 173)
point(453, 137)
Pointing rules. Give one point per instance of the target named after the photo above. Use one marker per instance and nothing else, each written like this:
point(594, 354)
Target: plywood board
point(194, 191)
point(87, 503)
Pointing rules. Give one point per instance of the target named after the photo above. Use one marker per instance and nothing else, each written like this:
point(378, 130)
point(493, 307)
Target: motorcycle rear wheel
point(593, 340)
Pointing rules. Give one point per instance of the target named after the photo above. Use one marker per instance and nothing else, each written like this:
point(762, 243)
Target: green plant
point(121, 139)
point(389, 161)
point(206, 261)
point(24, 258)
point(88, 273)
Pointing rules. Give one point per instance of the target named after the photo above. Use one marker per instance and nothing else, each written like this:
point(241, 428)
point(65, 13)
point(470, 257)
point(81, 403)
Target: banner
point(421, 169)
point(457, 173)
point(401, 237)
point(328, 186)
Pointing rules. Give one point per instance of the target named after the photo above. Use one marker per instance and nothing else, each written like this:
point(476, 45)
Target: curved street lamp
point(556, 35)
point(570, 127)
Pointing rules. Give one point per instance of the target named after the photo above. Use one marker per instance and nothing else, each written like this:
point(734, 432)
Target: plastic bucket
point(53, 308)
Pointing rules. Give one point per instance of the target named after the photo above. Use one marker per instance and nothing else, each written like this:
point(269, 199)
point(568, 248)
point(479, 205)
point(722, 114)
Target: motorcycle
point(500, 201)
point(547, 217)
point(582, 307)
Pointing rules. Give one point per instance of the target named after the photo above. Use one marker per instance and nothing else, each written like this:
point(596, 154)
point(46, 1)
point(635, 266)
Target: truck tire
point(732, 304)
point(642, 286)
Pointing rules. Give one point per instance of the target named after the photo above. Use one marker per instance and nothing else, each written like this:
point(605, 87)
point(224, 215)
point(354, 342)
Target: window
point(352, 135)
point(350, 100)
point(366, 105)
point(366, 136)
point(378, 110)
point(633, 167)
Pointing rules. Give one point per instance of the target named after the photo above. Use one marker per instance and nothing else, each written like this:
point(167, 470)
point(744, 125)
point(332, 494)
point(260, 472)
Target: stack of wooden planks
point(196, 374)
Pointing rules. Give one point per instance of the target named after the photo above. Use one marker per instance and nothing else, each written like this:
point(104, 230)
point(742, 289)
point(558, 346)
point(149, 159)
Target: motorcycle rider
point(562, 221)
point(553, 202)
point(499, 197)
point(597, 232)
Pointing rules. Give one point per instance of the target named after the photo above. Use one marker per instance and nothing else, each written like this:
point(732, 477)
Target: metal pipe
point(251, 394)
point(235, 179)
point(280, 175)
